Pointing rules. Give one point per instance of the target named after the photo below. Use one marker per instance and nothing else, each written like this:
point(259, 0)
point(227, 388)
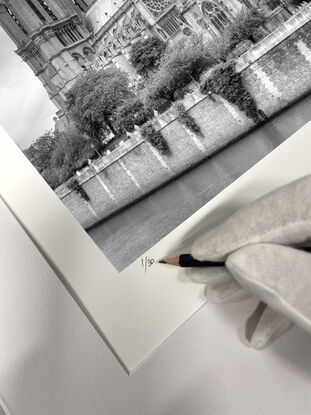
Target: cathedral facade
point(61, 39)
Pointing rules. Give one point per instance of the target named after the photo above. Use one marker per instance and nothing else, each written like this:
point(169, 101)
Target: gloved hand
point(260, 245)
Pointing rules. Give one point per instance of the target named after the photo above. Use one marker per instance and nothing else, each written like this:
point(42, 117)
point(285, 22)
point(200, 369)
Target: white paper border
point(132, 310)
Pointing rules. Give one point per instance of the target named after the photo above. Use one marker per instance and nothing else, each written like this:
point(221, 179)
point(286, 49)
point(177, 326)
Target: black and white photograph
point(139, 112)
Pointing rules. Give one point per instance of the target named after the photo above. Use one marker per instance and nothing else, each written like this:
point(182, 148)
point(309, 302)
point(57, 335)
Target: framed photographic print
point(131, 118)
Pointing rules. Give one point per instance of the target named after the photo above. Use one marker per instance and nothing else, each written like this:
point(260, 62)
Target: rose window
point(157, 6)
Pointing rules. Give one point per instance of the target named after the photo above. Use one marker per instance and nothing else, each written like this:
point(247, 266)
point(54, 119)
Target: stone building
point(60, 39)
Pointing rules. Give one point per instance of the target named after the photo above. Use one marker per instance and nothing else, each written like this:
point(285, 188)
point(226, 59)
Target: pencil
point(187, 260)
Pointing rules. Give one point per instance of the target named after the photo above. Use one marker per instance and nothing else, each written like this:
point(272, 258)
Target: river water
point(127, 235)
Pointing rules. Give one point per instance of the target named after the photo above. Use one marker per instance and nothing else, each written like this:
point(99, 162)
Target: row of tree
point(103, 102)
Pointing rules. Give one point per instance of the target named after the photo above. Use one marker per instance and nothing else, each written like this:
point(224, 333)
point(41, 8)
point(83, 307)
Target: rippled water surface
point(127, 235)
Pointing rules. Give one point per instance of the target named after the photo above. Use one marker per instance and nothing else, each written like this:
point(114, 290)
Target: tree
point(182, 63)
point(245, 26)
point(132, 112)
point(285, 3)
point(40, 154)
point(94, 99)
point(298, 2)
point(220, 46)
point(58, 155)
point(225, 81)
point(40, 151)
point(71, 153)
point(146, 54)
point(272, 4)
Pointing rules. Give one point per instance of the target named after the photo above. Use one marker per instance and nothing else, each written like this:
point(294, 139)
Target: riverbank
point(128, 234)
point(276, 71)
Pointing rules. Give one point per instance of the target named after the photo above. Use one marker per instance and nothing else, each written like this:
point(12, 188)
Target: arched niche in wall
point(89, 53)
point(79, 58)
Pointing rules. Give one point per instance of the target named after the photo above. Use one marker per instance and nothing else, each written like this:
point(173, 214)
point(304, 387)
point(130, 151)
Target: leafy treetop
point(146, 54)
point(93, 100)
point(58, 155)
point(132, 112)
point(182, 63)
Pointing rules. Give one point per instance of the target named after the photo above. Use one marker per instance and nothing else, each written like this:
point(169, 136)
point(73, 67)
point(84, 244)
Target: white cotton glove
point(253, 243)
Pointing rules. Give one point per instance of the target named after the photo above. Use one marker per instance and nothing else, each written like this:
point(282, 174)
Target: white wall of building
point(100, 12)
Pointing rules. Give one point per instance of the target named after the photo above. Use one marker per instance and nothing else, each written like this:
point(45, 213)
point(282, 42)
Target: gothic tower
point(60, 39)
point(47, 33)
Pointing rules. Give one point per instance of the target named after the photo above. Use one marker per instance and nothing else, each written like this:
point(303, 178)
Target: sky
point(26, 111)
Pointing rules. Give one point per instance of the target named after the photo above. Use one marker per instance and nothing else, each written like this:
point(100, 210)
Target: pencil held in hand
point(187, 260)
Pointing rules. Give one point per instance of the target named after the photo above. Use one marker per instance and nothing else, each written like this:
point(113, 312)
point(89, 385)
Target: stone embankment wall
point(277, 72)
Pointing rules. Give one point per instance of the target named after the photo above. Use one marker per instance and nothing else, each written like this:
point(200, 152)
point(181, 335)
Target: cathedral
point(61, 39)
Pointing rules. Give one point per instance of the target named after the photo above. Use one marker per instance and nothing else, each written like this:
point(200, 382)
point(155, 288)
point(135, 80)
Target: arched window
point(35, 10)
point(122, 39)
point(16, 20)
point(81, 4)
point(141, 23)
point(37, 59)
point(112, 49)
point(162, 33)
point(47, 9)
point(61, 38)
point(156, 7)
point(215, 14)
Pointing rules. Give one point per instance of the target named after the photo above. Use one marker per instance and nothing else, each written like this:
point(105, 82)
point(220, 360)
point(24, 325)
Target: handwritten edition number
point(147, 263)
